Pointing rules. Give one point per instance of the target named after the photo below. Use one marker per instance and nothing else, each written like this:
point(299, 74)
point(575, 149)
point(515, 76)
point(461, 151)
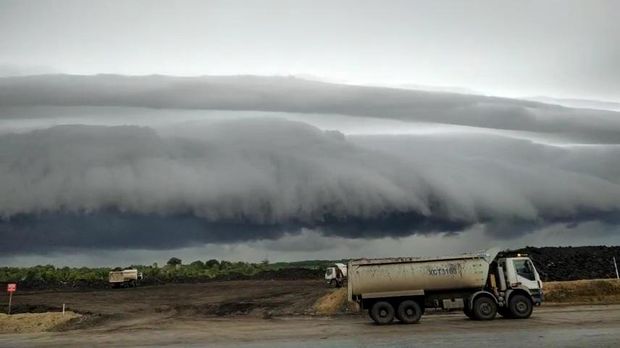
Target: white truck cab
point(519, 272)
point(336, 275)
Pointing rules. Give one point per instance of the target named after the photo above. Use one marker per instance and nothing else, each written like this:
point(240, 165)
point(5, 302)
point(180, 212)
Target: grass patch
point(583, 291)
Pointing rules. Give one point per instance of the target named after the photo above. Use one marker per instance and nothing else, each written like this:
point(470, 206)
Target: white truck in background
point(126, 277)
point(336, 275)
point(480, 284)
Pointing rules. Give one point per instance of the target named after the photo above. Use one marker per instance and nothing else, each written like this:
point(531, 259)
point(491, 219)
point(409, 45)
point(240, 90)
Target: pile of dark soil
point(290, 274)
point(280, 274)
point(572, 263)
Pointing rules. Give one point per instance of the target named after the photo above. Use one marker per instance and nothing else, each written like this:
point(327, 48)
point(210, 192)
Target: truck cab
point(515, 286)
point(520, 273)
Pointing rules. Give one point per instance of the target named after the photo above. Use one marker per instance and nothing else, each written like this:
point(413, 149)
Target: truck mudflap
point(538, 296)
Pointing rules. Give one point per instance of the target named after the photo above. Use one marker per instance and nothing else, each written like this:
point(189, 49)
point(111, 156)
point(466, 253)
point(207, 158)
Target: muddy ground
point(288, 312)
point(254, 298)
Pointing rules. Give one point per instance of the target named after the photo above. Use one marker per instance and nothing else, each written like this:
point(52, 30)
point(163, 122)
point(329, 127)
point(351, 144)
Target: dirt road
point(578, 326)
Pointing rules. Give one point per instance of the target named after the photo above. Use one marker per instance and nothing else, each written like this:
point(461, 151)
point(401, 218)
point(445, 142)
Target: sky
point(131, 132)
point(566, 49)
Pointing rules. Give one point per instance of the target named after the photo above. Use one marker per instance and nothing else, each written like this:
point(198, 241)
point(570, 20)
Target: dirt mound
point(332, 303)
point(34, 322)
point(573, 263)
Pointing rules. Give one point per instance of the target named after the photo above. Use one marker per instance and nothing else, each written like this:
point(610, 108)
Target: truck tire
point(484, 308)
point(382, 312)
point(520, 307)
point(409, 312)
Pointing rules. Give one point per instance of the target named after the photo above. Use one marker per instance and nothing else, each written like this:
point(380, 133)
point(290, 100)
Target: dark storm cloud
point(295, 95)
point(44, 233)
point(129, 187)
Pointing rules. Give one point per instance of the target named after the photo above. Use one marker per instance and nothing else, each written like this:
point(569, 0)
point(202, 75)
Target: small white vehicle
point(127, 277)
point(336, 275)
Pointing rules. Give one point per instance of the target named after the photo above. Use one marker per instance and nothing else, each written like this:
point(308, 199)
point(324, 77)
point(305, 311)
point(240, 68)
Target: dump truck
point(126, 277)
point(336, 275)
point(479, 284)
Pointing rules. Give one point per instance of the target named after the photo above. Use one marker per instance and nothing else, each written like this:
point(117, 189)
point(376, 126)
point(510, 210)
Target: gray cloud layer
point(131, 187)
point(295, 95)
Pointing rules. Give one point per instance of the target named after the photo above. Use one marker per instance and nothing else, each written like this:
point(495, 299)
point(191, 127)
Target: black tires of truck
point(484, 308)
point(382, 312)
point(409, 312)
point(520, 307)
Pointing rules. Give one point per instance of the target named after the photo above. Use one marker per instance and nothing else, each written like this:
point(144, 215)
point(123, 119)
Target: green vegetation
point(174, 271)
point(39, 275)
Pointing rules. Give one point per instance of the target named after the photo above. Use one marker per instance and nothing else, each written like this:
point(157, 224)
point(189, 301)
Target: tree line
point(174, 271)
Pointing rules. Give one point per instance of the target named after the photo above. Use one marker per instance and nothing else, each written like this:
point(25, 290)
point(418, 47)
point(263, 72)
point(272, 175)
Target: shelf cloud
point(78, 186)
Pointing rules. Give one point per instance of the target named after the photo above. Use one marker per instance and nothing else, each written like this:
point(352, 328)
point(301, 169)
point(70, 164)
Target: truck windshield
point(524, 269)
point(328, 272)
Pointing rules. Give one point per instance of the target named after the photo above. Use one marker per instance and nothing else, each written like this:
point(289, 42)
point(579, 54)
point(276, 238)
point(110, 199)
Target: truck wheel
point(382, 313)
point(484, 308)
point(409, 312)
point(332, 283)
point(520, 307)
